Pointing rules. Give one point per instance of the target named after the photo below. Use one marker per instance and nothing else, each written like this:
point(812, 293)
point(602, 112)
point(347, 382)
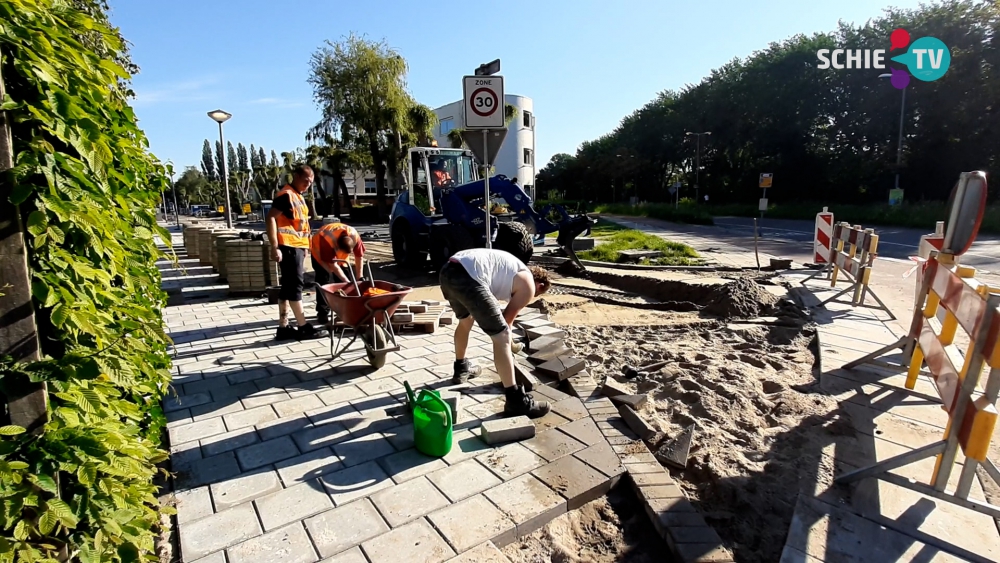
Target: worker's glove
point(516, 347)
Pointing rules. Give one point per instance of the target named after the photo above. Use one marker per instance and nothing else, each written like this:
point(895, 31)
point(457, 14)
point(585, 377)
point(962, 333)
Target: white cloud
point(277, 102)
point(188, 91)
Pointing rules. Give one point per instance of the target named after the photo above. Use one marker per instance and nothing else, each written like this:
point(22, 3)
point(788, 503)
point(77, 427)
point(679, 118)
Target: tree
point(220, 160)
point(193, 188)
point(207, 162)
point(244, 161)
point(234, 161)
point(360, 88)
point(254, 158)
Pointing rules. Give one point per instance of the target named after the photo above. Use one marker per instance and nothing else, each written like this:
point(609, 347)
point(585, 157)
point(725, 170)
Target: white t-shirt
point(493, 268)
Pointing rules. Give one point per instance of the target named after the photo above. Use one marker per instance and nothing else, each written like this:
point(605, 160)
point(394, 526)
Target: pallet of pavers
point(424, 316)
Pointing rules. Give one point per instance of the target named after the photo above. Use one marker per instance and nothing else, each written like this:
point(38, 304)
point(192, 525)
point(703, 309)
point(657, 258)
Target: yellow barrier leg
point(933, 301)
point(980, 432)
point(948, 328)
point(836, 268)
point(937, 459)
point(916, 360)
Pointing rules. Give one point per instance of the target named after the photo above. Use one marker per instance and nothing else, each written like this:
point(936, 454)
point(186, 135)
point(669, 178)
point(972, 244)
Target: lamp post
point(173, 188)
point(697, 162)
point(221, 117)
point(899, 140)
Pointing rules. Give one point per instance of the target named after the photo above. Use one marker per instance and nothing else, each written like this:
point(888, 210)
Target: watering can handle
point(438, 399)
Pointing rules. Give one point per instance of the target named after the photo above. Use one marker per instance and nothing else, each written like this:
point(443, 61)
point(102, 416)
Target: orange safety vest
point(323, 245)
point(294, 232)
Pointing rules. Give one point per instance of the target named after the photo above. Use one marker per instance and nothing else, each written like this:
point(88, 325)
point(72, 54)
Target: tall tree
point(244, 161)
point(220, 157)
point(207, 162)
point(254, 158)
point(233, 160)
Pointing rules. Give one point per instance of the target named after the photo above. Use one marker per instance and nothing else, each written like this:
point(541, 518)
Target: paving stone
point(401, 438)
point(409, 464)
point(266, 453)
point(482, 553)
point(414, 364)
point(528, 502)
point(671, 491)
point(185, 401)
point(293, 503)
point(208, 470)
point(703, 553)
point(362, 449)
point(218, 531)
point(507, 429)
point(321, 436)
point(229, 441)
point(382, 385)
point(533, 323)
point(576, 481)
point(232, 492)
point(249, 417)
point(512, 460)
point(550, 331)
point(636, 423)
point(647, 479)
point(464, 445)
point(205, 385)
point(287, 545)
point(583, 430)
point(245, 376)
point(614, 388)
point(353, 555)
point(524, 377)
point(184, 454)
point(281, 427)
point(472, 522)
point(308, 466)
point(602, 458)
point(370, 421)
point(413, 499)
point(297, 406)
point(562, 367)
point(463, 480)
point(571, 408)
point(193, 504)
point(355, 482)
point(634, 401)
point(217, 557)
point(550, 353)
point(267, 397)
point(196, 431)
point(641, 468)
point(417, 540)
point(233, 393)
point(552, 445)
point(345, 527)
point(675, 450)
point(634, 453)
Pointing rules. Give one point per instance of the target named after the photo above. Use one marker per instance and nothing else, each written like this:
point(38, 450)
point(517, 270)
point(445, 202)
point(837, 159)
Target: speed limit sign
point(484, 106)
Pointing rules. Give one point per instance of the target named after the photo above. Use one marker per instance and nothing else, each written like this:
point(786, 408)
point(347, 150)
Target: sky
point(585, 64)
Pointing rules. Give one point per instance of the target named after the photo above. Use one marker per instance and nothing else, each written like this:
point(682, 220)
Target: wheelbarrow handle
point(351, 271)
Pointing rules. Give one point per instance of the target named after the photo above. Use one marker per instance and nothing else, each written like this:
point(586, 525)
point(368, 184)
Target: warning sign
point(484, 106)
point(765, 180)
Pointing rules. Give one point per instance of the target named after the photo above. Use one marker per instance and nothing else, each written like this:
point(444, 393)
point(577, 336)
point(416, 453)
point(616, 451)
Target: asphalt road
point(894, 242)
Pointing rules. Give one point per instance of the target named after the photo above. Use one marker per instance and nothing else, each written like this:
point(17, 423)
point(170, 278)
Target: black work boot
point(322, 319)
point(519, 403)
point(309, 332)
point(465, 371)
point(286, 333)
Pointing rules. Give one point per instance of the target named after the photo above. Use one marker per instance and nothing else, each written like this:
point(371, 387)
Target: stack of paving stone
point(191, 241)
point(205, 246)
point(271, 270)
point(244, 266)
point(219, 252)
point(213, 245)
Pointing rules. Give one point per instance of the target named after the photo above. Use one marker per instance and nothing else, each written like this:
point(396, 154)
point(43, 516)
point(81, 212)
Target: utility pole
point(697, 162)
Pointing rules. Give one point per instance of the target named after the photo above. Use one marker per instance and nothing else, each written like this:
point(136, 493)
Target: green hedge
point(88, 189)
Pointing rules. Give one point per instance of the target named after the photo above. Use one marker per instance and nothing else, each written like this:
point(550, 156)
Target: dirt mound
point(742, 298)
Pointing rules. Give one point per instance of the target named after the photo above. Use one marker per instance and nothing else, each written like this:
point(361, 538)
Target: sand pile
point(742, 298)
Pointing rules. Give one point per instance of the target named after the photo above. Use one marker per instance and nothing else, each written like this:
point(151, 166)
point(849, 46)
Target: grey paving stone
point(345, 527)
point(215, 409)
point(266, 453)
point(249, 417)
point(417, 540)
point(482, 553)
point(512, 460)
point(413, 499)
point(293, 503)
point(205, 385)
point(277, 382)
point(528, 502)
point(297, 406)
point(341, 394)
point(172, 403)
point(308, 466)
point(323, 435)
point(378, 386)
point(463, 480)
point(602, 458)
point(287, 545)
point(196, 431)
point(510, 429)
point(193, 504)
point(651, 479)
point(363, 449)
point(281, 427)
point(571, 408)
point(414, 364)
point(541, 331)
point(401, 438)
point(409, 464)
point(576, 481)
point(247, 375)
point(219, 531)
point(636, 422)
point(584, 430)
point(233, 393)
point(232, 492)
point(229, 441)
point(332, 413)
point(370, 421)
point(355, 482)
point(267, 397)
point(217, 557)
point(207, 470)
point(552, 445)
point(472, 522)
point(464, 445)
point(353, 555)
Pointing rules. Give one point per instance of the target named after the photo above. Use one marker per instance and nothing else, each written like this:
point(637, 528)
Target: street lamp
point(899, 141)
point(173, 188)
point(221, 117)
point(697, 162)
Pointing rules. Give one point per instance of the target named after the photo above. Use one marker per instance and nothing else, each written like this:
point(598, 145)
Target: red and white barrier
point(824, 234)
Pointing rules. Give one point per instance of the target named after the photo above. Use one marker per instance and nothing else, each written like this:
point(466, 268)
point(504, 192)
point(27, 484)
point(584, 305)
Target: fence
point(852, 251)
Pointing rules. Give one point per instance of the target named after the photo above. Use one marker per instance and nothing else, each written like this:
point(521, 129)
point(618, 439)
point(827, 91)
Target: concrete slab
point(406, 502)
point(416, 541)
point(512, 460)
point(288, 545)
point(483, 553)
point(345, 527)
point(409, 464)
point(229, 493)
point(576, 481)
point(355, 482)
point(219, 531)
point(464, 480)
point(293, 503)
point(528, 502)
point(472, 522)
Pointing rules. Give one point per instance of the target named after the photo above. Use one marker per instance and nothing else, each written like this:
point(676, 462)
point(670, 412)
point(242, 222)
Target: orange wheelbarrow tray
point(368, 316)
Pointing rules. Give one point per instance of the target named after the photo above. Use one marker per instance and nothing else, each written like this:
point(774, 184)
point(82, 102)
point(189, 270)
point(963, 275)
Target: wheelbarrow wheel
point(376, 359)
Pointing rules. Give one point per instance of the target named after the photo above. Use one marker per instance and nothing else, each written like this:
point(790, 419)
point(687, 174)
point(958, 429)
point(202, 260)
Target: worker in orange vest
point(288, 224)
point(335, 241)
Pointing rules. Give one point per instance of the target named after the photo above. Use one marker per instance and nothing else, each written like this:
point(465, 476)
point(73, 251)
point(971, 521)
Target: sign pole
point(486, 178)
point(762, 211)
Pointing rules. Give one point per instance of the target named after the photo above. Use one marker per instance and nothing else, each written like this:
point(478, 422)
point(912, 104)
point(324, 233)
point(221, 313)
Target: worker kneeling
point(473, 281)
point(332, 242)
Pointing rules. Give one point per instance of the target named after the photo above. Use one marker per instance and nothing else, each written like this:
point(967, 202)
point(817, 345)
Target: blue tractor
point(443, 209)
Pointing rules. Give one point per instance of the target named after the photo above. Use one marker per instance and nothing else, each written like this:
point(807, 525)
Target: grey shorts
point(469, 297)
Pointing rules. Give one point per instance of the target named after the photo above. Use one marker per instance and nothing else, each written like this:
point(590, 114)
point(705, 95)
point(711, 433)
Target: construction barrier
point(971, 408)
point(928, 243)
point(852, 251)
point(823, 237)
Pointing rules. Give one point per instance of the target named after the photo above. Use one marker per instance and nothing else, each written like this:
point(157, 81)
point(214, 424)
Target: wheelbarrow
point(367, 315)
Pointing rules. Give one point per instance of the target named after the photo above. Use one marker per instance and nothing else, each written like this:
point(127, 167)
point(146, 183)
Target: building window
point(528, 156)
point(370, 187)
point(527, 119)
point(447, 124)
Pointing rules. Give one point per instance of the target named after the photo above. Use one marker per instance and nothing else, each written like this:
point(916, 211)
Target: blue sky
point(586, 64)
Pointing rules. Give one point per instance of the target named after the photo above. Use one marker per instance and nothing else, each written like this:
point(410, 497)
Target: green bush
point(88, 189)
point(675, 253)
point(687, 213)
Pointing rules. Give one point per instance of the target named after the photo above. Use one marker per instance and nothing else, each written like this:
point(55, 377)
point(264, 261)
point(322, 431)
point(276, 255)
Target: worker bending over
point(473, 281)
point(335, 241)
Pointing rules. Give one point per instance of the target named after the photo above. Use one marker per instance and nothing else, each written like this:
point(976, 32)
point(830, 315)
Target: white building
point(516, 158)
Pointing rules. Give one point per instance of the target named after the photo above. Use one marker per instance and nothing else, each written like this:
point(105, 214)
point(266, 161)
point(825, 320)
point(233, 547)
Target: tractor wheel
point(513, 237)
point(404, 246)
point(446, 240)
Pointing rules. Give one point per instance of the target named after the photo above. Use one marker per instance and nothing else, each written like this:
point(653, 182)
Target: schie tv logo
point(927, 59)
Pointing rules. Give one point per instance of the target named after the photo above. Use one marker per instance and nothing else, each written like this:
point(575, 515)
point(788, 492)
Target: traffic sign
point(489, 68)
point(762, 204)
point(484, 105)
point(765, 180)
point(494, 140)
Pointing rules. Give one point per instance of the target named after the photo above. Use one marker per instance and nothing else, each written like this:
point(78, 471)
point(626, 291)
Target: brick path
point(281, 455)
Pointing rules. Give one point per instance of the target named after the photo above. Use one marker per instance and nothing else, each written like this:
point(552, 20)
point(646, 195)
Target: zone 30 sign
point(484, 106)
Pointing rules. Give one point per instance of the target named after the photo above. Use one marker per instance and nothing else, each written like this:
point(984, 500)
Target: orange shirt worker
point(335, 241)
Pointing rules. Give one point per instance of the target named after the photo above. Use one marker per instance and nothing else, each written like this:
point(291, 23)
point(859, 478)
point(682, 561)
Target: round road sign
point(484, 102)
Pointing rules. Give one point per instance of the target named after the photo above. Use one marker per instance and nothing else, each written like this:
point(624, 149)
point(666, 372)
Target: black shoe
point(286, 333)
point(519, 403)
point(322, 319)
point(309, 332)
point(465, 371)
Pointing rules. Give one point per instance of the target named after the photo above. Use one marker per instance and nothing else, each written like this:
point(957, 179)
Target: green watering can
point(432, 423)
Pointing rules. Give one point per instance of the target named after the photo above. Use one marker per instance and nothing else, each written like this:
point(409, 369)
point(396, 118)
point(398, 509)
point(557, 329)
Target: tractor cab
point(431, 170)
